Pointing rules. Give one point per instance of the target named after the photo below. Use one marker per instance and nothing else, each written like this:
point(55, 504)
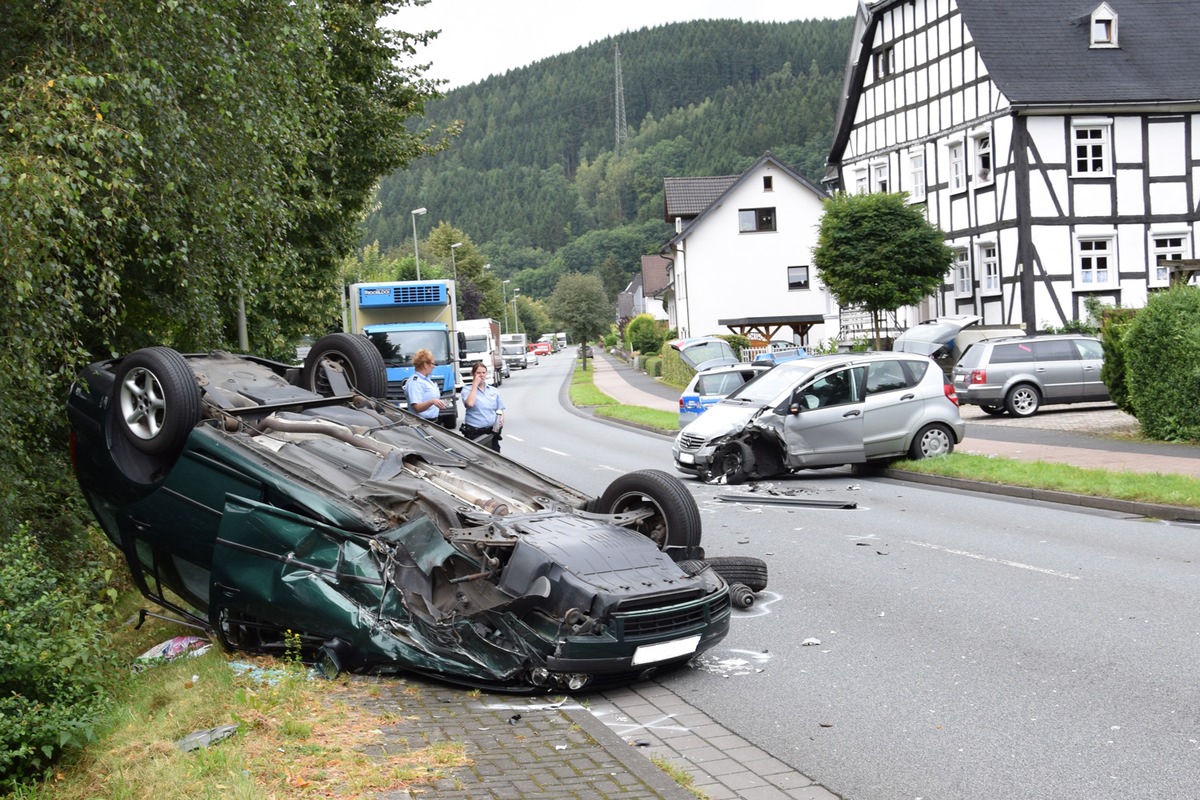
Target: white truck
point(515, 348)
point(401, 317)
point(482, 344)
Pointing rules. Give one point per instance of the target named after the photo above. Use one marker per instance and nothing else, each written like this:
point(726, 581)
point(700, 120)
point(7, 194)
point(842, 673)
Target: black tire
point(692, 566)
point(358, 359)
point(1023, 400)
point(745, 570)
point(156, 401)
point(674, 524)
point(995, 411)
point(934, 439)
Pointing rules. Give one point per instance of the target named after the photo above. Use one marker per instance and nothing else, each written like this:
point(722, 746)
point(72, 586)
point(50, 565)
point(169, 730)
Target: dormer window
point(1104, 26)
point(768, 183)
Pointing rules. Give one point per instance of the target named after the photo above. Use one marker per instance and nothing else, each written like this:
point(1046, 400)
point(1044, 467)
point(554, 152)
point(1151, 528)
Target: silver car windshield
point(767, 387)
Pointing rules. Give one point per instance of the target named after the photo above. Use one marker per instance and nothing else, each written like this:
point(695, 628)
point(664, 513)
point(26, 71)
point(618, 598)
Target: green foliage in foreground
point(57, 669)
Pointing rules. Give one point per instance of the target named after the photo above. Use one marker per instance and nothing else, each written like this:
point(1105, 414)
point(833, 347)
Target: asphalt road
point(967, 646)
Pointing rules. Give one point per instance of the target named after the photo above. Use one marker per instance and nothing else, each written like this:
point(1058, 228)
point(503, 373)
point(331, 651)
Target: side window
point(1090, 349)
point(835, 389)
point(1011, 353)
point(1055, 351)
point(886, 376)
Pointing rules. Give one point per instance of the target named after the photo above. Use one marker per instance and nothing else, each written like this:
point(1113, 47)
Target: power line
point(622, 133)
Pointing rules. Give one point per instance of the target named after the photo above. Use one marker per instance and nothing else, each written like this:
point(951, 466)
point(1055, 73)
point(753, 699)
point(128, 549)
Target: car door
point(893, 405)
point(1091, 359)
point(1059, 370)
point(823, 425)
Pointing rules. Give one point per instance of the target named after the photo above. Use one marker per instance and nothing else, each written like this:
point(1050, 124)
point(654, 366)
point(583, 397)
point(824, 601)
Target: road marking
point(1002, 561)
point(607, 467)
point(556, 452)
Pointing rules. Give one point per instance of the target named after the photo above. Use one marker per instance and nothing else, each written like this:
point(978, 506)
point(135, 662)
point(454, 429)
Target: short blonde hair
point(422, 357)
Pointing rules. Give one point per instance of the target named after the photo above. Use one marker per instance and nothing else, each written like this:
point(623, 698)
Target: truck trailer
point(514, 347)
point(400, 318)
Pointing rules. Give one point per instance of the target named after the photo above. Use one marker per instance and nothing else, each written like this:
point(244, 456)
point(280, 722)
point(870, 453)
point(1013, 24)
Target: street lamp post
point(504, 303)
point(416, 212)
point(516, 319)
point(454, 263)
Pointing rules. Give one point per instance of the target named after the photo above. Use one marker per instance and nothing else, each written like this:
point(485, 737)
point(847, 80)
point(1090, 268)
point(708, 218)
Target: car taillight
point(979, 376)
point(951, 395)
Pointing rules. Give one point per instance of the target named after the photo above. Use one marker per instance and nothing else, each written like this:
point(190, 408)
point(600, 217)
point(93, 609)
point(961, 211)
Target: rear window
point(722, 384)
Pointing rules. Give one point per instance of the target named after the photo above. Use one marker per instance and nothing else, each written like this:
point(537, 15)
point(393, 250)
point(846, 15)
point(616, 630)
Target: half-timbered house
point(1056, 143)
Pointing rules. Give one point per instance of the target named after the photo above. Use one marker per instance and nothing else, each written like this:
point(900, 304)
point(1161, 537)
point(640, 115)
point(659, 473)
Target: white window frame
point(861, 181)
point(985, 159)
point(1103, 27)
point(916, 173)
point(1161, 245)
point(988, 257)
point(1091, 149)
point(961, 269)
point(956, 155)
point(880, 178)
point(1095, 262)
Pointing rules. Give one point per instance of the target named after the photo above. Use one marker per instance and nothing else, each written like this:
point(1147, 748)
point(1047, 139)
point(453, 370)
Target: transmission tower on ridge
point(622, 132)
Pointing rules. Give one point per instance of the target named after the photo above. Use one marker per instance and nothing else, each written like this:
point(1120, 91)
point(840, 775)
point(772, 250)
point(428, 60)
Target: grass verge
point(297, 736)
point(1142, 487)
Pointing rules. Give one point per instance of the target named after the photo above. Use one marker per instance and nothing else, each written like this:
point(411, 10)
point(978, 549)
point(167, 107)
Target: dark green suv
point(271, 504)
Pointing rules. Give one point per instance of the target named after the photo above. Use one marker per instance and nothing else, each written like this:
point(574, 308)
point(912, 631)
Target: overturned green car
point(268, 503)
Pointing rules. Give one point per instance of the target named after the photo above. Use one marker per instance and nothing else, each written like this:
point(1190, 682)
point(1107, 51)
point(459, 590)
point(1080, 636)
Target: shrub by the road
point(1162, 365)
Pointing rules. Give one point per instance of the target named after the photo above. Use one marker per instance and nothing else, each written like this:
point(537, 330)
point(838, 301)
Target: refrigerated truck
point(400, 318)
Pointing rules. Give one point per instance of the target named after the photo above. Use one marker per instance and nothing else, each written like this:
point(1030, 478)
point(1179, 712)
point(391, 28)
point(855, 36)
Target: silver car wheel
point(1023, 401)
point(143, 406)
point(935, 440)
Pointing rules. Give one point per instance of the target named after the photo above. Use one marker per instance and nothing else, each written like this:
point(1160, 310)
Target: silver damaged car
point(824, 411)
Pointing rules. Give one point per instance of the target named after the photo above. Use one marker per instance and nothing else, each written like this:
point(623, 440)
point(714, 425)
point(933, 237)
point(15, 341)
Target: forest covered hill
point(537, 180)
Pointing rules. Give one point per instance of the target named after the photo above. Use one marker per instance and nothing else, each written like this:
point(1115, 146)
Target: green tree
point(580, 305)
point(877, 252)
point(645, 334)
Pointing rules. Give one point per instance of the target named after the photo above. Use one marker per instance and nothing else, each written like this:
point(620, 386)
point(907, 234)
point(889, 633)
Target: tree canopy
point(877, 252)
point(581, 306)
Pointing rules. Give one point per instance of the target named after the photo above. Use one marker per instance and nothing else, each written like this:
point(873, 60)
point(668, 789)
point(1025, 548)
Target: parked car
point(824, 411)
point(1022, 375)
point(704, 352)
point(945, 339)
point(707, 388)
point(271, 504)
point(586, 351)
point(531, 358)
point(541, 348)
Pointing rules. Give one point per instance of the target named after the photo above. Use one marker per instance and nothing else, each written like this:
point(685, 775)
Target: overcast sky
point(489, 37)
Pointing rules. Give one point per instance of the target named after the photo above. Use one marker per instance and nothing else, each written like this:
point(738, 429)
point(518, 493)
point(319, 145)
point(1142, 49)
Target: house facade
point(1056, 144)
point(741, 258)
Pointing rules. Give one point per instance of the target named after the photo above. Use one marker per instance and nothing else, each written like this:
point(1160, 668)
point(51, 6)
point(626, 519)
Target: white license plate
point(652, 653)
point(687, 458)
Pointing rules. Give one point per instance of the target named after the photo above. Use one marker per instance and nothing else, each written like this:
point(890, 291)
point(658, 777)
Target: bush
point(654, 366)
point(672, 369)
point(54, 682)
point(1114, 325)
point(644, 334)
point(1162, 365)
point(737, 341)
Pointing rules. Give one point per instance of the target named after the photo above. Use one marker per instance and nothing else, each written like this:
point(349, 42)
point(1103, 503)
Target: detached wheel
point(1023, 400)
point(674, 520)
point(745, 570)
point(932, 440)
point(156, 401)
point(357, 358)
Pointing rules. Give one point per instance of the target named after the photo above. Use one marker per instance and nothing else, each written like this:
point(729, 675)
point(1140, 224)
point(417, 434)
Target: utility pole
point(622, 132)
